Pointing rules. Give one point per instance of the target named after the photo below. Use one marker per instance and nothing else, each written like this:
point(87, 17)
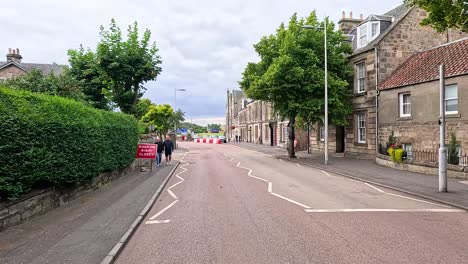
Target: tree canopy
point(444, 14)
point(290, 73)
point(117, 71)
point(161, 116)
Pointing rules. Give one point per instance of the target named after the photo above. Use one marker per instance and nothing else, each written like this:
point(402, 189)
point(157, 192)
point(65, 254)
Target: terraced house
point(13, 66)
point(409, 100)
point(381, 43)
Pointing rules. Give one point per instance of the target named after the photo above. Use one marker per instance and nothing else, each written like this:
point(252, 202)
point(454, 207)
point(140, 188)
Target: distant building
point(409, 98)
point(14, 67)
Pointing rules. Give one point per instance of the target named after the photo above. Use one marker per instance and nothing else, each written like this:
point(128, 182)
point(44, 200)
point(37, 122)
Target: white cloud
point(204, 45)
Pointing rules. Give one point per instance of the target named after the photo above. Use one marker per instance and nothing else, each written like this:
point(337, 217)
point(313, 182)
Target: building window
point(363, 35)
point(374, 29)
point(408, 148)
point(361, 127)
point(451, 99)
point(405, 105)
point(361, 77)
point(322, 133)
point(281, 133)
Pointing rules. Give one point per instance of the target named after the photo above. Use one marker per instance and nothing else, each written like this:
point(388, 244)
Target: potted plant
point(396, 153)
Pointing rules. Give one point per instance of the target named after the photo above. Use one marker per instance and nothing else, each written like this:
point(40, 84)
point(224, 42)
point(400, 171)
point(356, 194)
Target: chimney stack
point(347, 24)
point(14, 55)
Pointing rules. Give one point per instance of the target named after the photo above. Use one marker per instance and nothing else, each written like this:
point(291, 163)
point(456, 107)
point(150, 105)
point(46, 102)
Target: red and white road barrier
point(209, 141)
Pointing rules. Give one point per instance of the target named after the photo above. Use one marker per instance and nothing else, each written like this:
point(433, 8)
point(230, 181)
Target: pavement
point(87, 228)
point(423, 185)
point(227, 204)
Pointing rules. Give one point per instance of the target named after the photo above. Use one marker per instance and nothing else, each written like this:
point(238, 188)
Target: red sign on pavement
point(146, 151)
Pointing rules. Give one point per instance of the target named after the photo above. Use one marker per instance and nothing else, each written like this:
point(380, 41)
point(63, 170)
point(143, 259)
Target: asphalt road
point(86, 229)
point(231, 205)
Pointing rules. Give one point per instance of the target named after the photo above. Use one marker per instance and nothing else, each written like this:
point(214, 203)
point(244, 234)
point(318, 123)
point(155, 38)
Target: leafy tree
point(84, 67)
point(143, 107)
point(178, 117)
point(60, 85)
point(290, 74)
point(444, 14)
point(161, 116)
point(127, 64)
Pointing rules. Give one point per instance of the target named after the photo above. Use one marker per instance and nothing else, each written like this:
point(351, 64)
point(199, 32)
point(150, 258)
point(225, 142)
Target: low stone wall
point(453, 171)
point(41, 201)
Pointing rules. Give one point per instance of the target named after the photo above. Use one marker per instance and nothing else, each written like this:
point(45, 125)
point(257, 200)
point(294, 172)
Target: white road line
point(326, 173)
point(157, 222)
point(373, 187)
point(182, 179)
point(270, 187)
point(418, 200)
point(163, 210)
point(299, 165)
point(406, 197)
point(385, 210)
point(290, 200)
point(175, 184)
point(172, 194)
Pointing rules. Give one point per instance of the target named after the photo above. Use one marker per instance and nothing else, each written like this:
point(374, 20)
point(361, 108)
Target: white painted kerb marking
point(299, 165)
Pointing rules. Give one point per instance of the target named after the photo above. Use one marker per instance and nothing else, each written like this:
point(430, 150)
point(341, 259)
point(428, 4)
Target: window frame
point(363, 39)
point(377, 30)
point(409, 151)
point(402, 104)
point(451, 99)
point(364, 128)
point(361, 79)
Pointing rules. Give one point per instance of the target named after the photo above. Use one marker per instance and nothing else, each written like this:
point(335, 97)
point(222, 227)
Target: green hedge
point(52, 141)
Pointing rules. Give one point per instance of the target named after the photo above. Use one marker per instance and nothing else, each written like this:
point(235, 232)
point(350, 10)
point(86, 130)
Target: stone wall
point(11, 72)
point(421, 129)
point(362, 103)
point(39, 202)
point(407, 38)
point(453, 171)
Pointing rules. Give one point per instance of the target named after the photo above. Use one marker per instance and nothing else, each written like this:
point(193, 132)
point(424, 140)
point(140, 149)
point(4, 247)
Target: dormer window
point(368, 32)
point(363, 35)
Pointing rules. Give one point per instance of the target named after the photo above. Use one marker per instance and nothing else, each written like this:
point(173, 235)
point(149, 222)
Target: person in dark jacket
point(159, 150)
point(168, 148)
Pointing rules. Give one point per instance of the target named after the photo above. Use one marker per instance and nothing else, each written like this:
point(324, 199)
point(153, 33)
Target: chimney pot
point(343, 15)
point(14, 51)
point(9, 50)
point(351, 14)
point(361, 16)
point(17, 51)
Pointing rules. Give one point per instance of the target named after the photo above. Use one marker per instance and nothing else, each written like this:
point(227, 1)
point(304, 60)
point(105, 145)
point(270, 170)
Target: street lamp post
point(326, 84)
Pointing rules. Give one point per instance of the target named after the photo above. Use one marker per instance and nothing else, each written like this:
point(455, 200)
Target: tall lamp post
point(175, 106)
point(326, 84)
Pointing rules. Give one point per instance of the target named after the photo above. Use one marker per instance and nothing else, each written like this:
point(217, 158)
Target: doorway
point(340, 139)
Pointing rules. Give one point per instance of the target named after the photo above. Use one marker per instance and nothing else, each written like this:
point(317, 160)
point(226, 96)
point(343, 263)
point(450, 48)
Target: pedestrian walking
point(159, 150)
point(168, 148)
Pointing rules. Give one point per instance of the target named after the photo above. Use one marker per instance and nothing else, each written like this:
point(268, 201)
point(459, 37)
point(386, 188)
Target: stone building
point(14, 67)
point(234, 102)
point(255, 122)
point(409, 98)
point(381, 43)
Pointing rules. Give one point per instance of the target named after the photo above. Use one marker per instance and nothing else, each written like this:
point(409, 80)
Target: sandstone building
point(14, 67)
point(409, 98)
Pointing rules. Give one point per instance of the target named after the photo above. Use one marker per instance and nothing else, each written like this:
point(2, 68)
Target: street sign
point(146, 151)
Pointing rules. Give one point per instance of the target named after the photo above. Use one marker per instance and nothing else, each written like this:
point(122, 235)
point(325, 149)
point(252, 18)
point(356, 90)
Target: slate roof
point(44, 68)
point(424, 66)
point(391, 18)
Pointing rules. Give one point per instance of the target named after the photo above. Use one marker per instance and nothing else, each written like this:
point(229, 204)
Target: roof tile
point(424, 66)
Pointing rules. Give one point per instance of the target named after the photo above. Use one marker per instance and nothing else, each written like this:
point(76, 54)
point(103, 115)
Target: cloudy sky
point(204, 44)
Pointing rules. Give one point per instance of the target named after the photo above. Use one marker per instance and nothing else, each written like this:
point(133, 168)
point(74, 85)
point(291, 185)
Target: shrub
point(453, 149)
point(50, 140)
point(396, 154)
